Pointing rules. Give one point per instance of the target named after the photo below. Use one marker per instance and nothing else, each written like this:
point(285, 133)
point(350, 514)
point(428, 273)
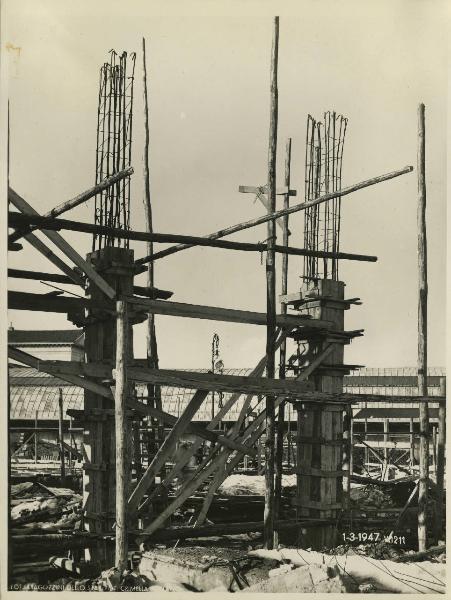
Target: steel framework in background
point(323, 166)
point(114, 145)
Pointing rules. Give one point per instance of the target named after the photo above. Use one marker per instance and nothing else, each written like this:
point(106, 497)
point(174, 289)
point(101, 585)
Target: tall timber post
point(99, 481)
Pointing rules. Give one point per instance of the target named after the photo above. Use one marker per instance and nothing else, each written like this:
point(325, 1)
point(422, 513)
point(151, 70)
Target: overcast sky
point(208, 69)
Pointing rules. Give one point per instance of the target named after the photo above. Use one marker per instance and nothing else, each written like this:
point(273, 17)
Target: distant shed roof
point(32, 391)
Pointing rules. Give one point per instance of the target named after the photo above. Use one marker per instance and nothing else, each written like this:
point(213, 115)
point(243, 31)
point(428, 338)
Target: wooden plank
point(45, 303)
point(40, 275)
point(312, 504)
point(79, 199)
point(31, 361)
point(260, 194)
point(422, 335)
point(65, 248)
point(296, 208)
point(280, 191)
point(214, 313)
point(148, 292)
point(166, 449)
point(54, 259)
point(182, 533)
point(122, 459)
point(222, 383)
point(20, 220)
point(313, 472)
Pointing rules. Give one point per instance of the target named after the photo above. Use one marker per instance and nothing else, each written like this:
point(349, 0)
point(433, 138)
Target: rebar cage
point(114, 145)
point(323, 167)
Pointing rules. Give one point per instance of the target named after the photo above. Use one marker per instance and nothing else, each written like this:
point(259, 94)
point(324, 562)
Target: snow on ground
point(254, 485)
point(385, 575)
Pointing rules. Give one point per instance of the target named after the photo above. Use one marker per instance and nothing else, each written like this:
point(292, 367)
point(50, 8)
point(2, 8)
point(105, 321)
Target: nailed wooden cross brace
point(260, 194)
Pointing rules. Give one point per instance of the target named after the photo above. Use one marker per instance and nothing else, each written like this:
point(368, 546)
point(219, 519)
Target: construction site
point(298, 472)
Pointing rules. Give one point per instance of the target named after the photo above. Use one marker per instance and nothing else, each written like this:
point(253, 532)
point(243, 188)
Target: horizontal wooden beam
point(377, 398)
point(280, 191)
point(79, 199)
point(32, 361)
point(22, 205)
point(41, 302)
point(221, 383)
point(40, 276)
point(213, 313)
point(182, 533)
point(261, 194)
point(19, 220)
point(287, 211)
point(154, 293)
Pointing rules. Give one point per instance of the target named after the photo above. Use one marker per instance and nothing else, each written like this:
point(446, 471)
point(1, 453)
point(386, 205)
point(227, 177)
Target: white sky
point(208, 75)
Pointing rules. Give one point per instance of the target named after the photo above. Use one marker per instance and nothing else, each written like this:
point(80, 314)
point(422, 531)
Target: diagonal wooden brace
point(66, 248)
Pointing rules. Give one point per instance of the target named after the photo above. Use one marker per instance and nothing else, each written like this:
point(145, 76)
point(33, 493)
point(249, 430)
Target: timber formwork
point(113, 507)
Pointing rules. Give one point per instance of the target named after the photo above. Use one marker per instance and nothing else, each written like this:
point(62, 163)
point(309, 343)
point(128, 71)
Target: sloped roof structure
point(33, 392)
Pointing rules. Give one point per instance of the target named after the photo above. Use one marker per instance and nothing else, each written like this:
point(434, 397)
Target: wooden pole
point(412, 446)
point(441, 440)
point(36, 437)
point(73, 202)
point(280, 213)
point(153, 391)
point(21, 220)
point(385, 465)
point(120, 398)
point(277, 215)
point(422, 334)
point(289, 437)
point(61, 432)
point(347, 450)
point(268, 518)
point(283, 349)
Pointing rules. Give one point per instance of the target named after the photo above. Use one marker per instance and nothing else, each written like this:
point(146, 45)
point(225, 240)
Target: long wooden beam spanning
point(214, 313)
point(32, 361)
point(46, 303)
point(79, 199)
point(286, 211)
point(62, 245)
point(20, 220)
point(221, 383)
point(41, 276)
point(216, 382)
point(149, 292)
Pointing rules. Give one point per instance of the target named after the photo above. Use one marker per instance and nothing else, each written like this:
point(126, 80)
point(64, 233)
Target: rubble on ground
point(36, 507)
